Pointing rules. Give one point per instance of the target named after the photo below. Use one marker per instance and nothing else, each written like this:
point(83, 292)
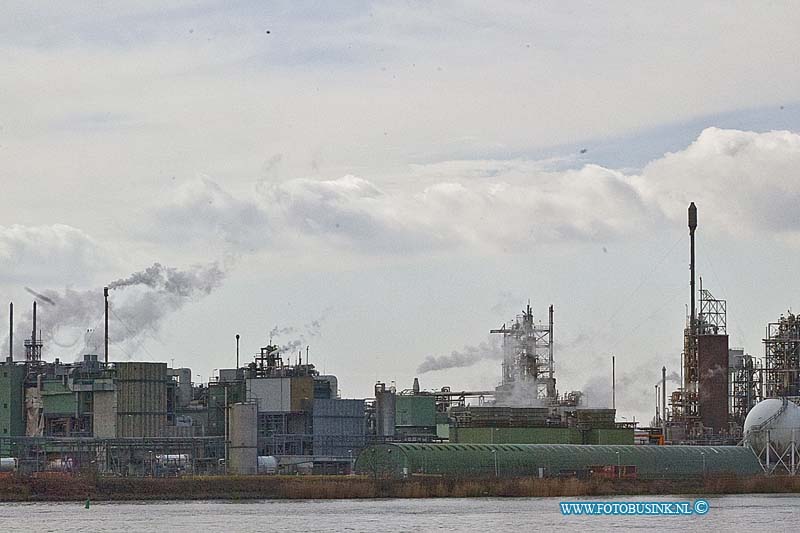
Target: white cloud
point(742, 182)
point(351, 213)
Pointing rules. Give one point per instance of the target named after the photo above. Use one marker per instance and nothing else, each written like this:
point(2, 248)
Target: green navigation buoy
point(87, 504)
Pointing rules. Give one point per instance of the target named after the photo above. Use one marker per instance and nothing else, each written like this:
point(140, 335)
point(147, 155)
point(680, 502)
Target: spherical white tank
point(770, 415)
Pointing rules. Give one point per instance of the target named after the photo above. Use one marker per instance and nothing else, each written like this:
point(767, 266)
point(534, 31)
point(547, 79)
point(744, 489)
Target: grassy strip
point(63, 488)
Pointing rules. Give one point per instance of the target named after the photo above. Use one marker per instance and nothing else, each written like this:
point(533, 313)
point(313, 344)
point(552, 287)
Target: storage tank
point(779, 417)
point(8, 464)
point(243, 438)
point(267, 464)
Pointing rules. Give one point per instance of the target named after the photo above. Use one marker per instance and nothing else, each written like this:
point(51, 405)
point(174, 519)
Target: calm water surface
point(732, 513)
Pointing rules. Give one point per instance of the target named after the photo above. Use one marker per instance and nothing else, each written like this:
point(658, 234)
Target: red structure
point(712, 362)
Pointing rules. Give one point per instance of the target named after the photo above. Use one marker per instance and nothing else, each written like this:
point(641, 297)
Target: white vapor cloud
point(138, 306)
point(741, 180)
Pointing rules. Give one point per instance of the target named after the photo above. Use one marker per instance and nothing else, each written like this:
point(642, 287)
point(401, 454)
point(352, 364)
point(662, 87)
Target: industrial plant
point(733, 413)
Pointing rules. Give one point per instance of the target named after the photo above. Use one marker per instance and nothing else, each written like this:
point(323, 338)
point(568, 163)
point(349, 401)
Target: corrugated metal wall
point(12, 399)
point(272, 394)
point(338, 427)
point(415, 413)
point(481, 435)
point(508, 460)
point(141, 399)
point(104, 423)
point(302, 393)
point(57, 399)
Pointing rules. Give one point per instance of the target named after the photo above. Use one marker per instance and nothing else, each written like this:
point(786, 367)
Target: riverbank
point(77, 488)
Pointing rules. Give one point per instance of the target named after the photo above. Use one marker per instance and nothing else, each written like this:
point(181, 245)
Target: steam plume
point(39, 296)
point(140, 304)
point(468, 356)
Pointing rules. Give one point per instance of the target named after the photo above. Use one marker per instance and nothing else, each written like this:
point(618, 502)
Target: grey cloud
point(201, 210)
point(44, 254)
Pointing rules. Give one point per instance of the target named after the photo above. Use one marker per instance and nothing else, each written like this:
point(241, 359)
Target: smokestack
point(663, 400)
point(692, 228)
point(33, 334)
point(237, 351)
point(658, 413)
point(11, 332)
point(416, 386)
point(105, 337)
point(550, 340)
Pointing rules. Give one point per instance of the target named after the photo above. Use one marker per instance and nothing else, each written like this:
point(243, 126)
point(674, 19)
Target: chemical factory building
point(508, 460)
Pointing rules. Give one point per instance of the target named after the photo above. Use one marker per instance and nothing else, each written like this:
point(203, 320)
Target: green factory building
point(12, 400)
point(547, 460)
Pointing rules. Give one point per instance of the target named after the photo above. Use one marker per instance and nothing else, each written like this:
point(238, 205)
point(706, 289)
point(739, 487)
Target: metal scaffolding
point(164, 456)
point(746, 379)
point(528, 356)
point(782, 358)
point(709, 324)
point(712, 319)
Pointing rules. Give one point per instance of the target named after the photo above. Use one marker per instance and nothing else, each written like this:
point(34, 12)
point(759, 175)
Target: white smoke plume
point(72, 324)
point(168, 280)
point(522, 394)
point(308, 332)
point(468, 356)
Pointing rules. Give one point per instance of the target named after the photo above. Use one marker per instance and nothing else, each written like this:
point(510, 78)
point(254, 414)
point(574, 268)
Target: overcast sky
point(386, 182)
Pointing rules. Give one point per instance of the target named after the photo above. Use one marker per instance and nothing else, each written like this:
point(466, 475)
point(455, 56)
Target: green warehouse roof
point(475, 460)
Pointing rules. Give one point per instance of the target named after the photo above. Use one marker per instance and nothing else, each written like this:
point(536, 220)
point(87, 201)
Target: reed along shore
point(79, 488)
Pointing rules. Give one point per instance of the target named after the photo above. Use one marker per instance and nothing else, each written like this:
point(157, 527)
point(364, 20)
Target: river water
point(733, 513)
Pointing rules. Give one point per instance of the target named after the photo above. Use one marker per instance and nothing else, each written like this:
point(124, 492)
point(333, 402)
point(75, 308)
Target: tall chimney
point(550, 341)
point(11, 332)
point(33, 334)
point(663, 399)
point(237, 351)
point(105, 336)
point(692, 228)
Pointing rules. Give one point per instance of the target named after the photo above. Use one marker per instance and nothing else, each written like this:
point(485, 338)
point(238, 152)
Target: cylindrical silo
point(242, 449)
